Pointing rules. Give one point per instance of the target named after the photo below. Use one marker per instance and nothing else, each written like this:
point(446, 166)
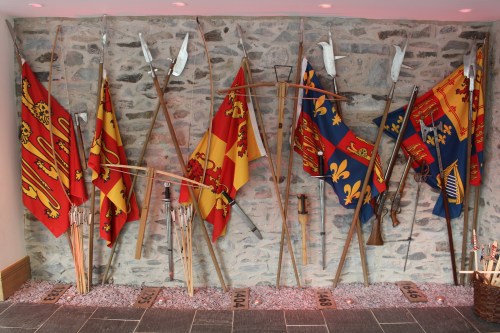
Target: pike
point(442, 179)
point(159, 91)
point(231, 202)
point(321, 192)
point(329, 59)
point(420, 177)
point(168, 215)
point(176, 67)
point(470, 73)
point(355, 224)
point(376, 234)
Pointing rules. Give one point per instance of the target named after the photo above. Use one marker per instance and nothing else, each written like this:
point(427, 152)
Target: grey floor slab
point(213, 317)
point(306, 329)
point(3, 306)
point(259, 321)
point(118, 313)
point(304, 317)
point(394, 315)
point(17, 330)
point(402, 328)
point(482, 325)
point(441, 320)
point(351, 321)
point(67, 319)
point(109, 326)
point(211, 329)
point(27, 315)
point(158, 320)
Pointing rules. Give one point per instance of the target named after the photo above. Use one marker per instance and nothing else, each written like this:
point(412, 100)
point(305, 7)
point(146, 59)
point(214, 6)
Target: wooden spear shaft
point(173, 136)
point(355, 218)
point(262, 129)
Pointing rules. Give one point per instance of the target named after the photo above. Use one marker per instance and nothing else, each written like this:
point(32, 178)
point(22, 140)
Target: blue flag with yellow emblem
point(448, 102)
point(346, 156)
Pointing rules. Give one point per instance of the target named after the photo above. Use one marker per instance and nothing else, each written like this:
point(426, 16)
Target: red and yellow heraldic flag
point(234, 143)
point(47, 194)
point(107, 148)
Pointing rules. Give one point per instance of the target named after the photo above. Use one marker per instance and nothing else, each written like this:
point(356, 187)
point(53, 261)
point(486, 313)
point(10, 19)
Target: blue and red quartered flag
point(346, 156)
point(448, 102)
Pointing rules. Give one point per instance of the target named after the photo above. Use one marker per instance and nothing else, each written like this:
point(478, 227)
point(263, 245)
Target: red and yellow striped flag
point(107, 148)
point(234, 143)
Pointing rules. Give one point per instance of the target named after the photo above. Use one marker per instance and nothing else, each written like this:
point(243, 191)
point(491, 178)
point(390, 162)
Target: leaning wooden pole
point(263, 135)
point(395, 69)
point(182, 164)
point(285, 230)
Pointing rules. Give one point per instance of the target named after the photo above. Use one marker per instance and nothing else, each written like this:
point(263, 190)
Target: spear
point(470, 73)
point(395, 69)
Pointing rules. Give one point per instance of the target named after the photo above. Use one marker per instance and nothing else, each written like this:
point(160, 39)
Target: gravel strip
point(346, 296)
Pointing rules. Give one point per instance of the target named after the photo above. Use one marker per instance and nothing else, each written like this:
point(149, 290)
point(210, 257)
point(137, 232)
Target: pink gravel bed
point(346, 296)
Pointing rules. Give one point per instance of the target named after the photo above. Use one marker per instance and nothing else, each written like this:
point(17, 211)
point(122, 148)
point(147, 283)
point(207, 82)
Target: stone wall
point(435, 49)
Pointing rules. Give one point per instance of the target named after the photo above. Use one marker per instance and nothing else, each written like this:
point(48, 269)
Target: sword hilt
point(167, 192)
point(230, 201)
point(321, 167)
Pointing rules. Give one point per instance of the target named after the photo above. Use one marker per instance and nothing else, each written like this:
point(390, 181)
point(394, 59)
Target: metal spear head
point(470, 65)
point(329, 57)
point(182, 57)
point(145, 50)
point(397, 62)
point(240, 33)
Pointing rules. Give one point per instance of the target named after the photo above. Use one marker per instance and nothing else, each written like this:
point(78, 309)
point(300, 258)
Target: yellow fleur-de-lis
point(430, 140)
point(447, 129)
point(339, 171)
point(318, 106)
point(442, 139)
point(307, 79)
point(395, 128)
point(352, 192)
point(368, 195)
point(336, 119)
point(400, 120)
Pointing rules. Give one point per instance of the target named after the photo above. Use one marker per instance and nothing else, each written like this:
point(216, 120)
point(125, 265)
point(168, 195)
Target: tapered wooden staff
point(470, 73)
point(395, 69)
point(149, 60)
point(104, 37)
point(262, 130)
point(484, 81)
point(302, 214)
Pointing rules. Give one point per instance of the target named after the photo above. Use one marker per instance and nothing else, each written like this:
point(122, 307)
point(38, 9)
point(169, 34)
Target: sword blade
point(321, 188)
point(245, 217)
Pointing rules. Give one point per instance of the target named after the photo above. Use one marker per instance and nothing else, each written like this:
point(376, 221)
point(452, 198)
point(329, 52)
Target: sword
point(420, 178)
point(321, 190)
point(168, 213)
point(231, 202)
point(426, 129)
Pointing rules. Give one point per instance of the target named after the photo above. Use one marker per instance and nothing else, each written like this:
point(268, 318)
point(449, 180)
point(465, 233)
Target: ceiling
point(433, 10)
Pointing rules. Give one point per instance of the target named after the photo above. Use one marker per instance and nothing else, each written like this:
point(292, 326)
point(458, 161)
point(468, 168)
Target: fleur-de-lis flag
point(448, 102)
point(235, 142)
point(347, 156)
point(107, 147)
point(43, 182)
